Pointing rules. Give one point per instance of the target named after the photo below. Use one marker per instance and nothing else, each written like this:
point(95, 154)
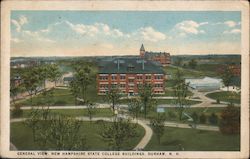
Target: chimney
point(143, 64)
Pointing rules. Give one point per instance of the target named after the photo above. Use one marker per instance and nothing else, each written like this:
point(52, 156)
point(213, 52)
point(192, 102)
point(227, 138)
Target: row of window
point(106, 86)
point(124, 91)
point(113, 77)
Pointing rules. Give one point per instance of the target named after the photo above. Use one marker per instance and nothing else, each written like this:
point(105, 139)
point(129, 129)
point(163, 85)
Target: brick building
point(161, 57)
point(128, 74)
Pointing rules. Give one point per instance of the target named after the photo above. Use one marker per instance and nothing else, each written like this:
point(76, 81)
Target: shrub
point(17, 111)
point(230, 120)
point(171, 114)
point(203, 118)
point(218, 101)
point(195, 117)
point(213, 119)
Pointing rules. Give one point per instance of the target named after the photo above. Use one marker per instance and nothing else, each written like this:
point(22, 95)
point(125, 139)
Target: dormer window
point(130, 67)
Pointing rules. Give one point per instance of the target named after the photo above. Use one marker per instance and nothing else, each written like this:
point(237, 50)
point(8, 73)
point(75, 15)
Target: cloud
point(95, 29)
point(189, 27)
point(233, 31)
point(230, 23)
point(150, 34)
point(15, 40)
point(36, 35)
point(20, 22)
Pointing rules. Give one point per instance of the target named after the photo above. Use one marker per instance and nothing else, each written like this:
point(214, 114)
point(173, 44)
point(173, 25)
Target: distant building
point(161, 57)
point(128, 74)
point(204, 84)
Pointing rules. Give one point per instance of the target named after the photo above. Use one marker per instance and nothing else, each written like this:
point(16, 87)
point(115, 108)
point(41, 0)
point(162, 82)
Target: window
point(122, 77)
point(103, 78)
point(122, 85)
point(113, 77)
point(131, 81)
point(158, 77)
point(139, 77)
point(148, 77)
point(158, 85)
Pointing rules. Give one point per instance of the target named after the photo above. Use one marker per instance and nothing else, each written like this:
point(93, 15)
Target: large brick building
point(161, 57)
point(128, 74)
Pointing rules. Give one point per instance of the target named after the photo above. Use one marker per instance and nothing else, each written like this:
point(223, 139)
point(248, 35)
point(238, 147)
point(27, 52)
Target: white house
point(205, 84)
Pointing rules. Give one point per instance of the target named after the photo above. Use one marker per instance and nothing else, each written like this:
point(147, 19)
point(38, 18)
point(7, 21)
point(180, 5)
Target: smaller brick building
point(161, 57)
point(128, 74)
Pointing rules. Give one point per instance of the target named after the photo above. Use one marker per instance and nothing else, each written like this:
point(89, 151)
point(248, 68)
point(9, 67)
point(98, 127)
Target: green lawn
point(102, 112)
point(21, 137)
point(225, 96)
point(63, 97)
point(189, 73)
point(194, 140)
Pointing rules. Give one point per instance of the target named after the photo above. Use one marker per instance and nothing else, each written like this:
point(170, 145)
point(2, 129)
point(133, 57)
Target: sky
point(90, 33)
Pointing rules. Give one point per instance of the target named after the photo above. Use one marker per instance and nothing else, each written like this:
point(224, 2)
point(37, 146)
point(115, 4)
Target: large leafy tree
point(83, 79)
point(227, 77)
point(54, 73)
point(180, 93)
point(157, 124)
point(117, 133)
point(32, 81)
point(74, 89)
point(113, 96)
point(145, 92)
point(134, 107)
point(55, 131)
point(230, 120)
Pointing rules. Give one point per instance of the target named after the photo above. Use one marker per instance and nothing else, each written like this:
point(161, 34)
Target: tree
point(180, 93)
point(91, 109)
point(64, 134)
point(113, 96)
point(134, 107)
point(55, 131)
point(192, 63)
point(146, 96)
point(32, 121)
point(117, 133)
point(16, 111)
point(203, 118)
point(195, 118)
point(83, 79)
point(230, 120)
point(54, 73)
point(14, 90)
point(157, 125)
point(213, 119)
point(32, 81)
point(74, 89)
point(178, 61)
point(227, 77)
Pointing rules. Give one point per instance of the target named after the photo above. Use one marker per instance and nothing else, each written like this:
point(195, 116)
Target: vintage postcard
point(124, 79)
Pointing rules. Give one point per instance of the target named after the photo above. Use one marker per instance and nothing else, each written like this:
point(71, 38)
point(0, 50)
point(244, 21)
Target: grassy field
point(103, 112)
point(63, 97)
point(189, 73)
point(21, 137)
point(225, 96)
point(175, 139)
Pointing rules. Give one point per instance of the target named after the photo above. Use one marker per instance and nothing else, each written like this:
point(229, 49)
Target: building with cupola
point(161, 57)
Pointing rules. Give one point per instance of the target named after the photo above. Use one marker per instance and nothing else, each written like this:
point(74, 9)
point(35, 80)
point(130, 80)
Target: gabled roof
point(131, 65)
